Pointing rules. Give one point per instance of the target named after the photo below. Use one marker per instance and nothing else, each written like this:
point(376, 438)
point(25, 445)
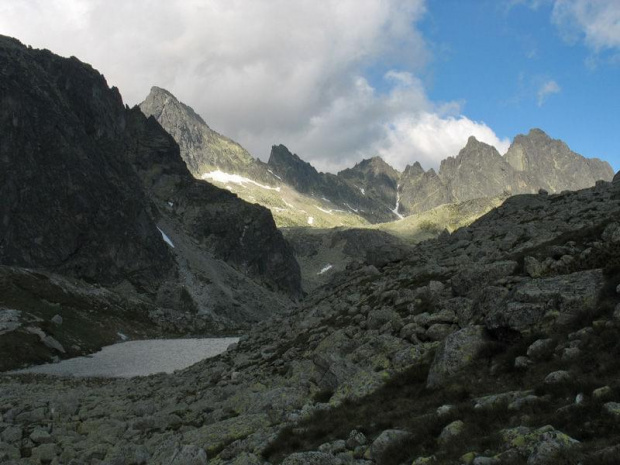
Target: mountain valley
point(464, 315)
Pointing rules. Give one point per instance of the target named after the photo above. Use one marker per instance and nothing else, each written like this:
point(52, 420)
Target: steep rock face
point(235, 231)
point(375, 178)
point(293, 170)
point(550, 164)
point(338, 189)
point(479, 171)
point(421, 190)
point(86, 180)
point(70, 201)
point(203, 149)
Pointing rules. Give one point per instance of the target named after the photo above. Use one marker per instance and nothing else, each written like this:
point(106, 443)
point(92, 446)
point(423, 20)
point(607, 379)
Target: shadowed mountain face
point(84, 181)
point(71, 202)
point(374, 178)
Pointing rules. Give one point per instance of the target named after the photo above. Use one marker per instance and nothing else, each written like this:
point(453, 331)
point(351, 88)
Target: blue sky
point(341, 80)
point(497, 58)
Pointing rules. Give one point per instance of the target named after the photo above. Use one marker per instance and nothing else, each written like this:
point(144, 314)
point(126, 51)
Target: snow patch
point(310, 220)
point(171, 204)
point(166, 238)
point(351, 208)
point(123, 337)
point(329, 212)
point(362, 190)
point(225, 178)
point(275, 175)
point(326, 268)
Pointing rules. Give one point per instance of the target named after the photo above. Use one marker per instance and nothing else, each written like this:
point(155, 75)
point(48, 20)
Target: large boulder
point(458, 351)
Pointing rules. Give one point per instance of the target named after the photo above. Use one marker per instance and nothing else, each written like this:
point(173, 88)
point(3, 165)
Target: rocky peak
point(552, 165)
point(374, 178)
point(413, 171)
point(160, 101)
point(203, 149)
point(293, 170)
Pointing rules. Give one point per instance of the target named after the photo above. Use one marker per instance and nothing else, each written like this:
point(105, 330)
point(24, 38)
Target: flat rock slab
point(137, 358)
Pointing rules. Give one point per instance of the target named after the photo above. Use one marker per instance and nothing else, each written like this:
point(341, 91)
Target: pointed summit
point(552, 165)
point(203, 149)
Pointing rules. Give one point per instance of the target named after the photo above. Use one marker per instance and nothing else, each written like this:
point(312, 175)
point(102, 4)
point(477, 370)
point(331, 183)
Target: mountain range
point(372, 189)
point(496, 341)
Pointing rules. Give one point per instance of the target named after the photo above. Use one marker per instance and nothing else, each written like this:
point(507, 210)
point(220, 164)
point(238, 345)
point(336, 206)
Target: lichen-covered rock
point(539, 446)
point(386, 440)
point(458, 351)
point(188, 455)
point(451, 431)
point(311, 458)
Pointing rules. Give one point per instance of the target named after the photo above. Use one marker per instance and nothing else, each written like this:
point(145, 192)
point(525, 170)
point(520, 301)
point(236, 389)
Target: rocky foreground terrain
point(497, 344)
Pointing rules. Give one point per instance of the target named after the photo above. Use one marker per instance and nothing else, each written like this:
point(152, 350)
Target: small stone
point(571, 353)
point(557, 377)
point(522, 362)
point(602, 392)
point(57, 320)
point(541, 349)
point(612, 408)
point(41, 436)
point(387, 439)
point(45, 453)
point(542, 191)
point(445, 410)
point(579, 399)
point(356, 438)
point(188, 455)
point(450, 432)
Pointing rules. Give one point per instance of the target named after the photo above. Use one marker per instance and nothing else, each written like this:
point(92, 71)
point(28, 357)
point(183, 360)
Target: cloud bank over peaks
point(268, 71)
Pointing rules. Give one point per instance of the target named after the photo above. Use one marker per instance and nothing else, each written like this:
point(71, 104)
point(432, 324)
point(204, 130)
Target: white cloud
point(429, 138)
point(545, 90)
point(264, 71)
point(597, 22)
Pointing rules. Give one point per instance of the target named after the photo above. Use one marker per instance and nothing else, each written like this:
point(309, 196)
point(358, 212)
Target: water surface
point(137, 358)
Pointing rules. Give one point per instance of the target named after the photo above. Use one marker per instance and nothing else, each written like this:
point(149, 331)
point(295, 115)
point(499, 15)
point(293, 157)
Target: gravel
point(137, 358)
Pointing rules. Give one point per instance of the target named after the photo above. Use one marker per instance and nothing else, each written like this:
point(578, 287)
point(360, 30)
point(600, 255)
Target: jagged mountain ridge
point(376, 191)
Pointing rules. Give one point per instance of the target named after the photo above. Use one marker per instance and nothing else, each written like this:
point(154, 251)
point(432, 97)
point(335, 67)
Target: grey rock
point(557, 377)
point(541, 349)
point(451, 431)
point(188, 455)
point(459, 350)
point(311, 458)
point(57, 320)
point(386, 440)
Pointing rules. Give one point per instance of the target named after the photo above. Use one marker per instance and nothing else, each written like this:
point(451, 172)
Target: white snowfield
point(225, 178)
point(137, 358)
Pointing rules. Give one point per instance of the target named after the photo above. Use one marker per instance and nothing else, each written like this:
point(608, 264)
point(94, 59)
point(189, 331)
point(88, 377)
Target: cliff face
point(240, 233)
point(552, 165)
point(71, 202)
point(84, 181)
point(533, 161)
point(375, 179)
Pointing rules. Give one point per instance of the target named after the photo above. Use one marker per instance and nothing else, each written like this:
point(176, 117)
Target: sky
point(337, 81)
